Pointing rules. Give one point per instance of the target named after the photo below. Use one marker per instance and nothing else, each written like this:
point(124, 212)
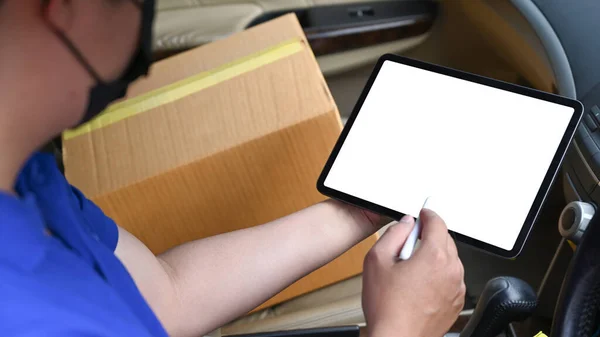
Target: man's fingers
point(434, 230)
point(391, 242)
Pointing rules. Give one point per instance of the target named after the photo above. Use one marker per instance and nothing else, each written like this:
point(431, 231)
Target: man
point(67, 270)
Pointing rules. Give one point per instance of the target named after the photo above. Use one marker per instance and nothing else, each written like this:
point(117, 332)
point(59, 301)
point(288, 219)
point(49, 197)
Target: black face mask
point(104, 93)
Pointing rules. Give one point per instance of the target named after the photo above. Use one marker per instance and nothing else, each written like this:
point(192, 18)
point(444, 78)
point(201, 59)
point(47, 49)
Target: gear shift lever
point(503, 300)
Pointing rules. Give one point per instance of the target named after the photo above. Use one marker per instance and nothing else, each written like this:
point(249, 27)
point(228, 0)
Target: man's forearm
point(222, 277)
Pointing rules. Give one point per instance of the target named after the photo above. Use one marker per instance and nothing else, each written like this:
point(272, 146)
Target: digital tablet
point(486, 151)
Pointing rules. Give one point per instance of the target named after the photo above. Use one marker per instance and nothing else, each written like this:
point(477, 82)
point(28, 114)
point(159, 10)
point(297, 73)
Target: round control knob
point(574, 220)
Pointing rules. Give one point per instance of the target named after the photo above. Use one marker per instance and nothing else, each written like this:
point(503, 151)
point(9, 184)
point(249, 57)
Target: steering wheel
point(578, 309)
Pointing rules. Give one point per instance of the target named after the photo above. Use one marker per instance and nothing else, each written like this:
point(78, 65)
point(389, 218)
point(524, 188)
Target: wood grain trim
point(340, 40)
point(335, 40)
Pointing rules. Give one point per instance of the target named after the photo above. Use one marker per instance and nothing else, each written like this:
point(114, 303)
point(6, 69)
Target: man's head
point(45, 84)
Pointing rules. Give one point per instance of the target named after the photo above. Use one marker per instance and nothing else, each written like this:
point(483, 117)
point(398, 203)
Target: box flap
point(218, 53)
point(230, 107)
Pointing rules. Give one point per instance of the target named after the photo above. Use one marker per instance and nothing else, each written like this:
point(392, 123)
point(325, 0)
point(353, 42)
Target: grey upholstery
point(573, 23)
point(552, 44)
point(573, 47)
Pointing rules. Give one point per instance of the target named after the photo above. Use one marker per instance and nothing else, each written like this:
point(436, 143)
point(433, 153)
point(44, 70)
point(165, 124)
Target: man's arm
point(201, 285)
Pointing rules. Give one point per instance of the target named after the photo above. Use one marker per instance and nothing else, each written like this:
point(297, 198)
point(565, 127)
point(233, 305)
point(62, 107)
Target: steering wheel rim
point(578, 308)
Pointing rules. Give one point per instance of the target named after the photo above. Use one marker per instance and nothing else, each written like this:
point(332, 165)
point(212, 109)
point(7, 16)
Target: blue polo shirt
point(58, 272)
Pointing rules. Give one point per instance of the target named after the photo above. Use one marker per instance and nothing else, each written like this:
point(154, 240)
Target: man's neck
point(9, 169)
point(18, 140)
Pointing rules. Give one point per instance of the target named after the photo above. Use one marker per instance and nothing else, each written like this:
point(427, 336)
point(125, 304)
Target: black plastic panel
point(595, 196)
point(570, 188)
point(590, 122)
point(356, 14)
point(588, 140)
point(580, 172)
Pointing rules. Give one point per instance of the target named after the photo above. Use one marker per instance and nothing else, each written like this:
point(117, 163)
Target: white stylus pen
point(411, 241)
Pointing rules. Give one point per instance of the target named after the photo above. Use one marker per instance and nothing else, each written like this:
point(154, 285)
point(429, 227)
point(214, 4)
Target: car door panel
point(182, 24)
point(344, 34)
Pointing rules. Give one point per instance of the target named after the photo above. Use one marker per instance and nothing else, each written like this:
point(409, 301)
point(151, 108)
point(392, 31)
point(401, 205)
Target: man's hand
point(421, 297)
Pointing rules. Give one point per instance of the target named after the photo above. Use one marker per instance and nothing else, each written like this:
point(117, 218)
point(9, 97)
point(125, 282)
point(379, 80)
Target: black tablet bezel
point(546, 184)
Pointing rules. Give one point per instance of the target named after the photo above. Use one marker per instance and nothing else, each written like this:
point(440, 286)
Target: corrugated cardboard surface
point(238, 154)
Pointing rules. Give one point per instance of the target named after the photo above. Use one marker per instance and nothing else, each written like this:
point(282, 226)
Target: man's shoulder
point(41, 177)
point(101, 226)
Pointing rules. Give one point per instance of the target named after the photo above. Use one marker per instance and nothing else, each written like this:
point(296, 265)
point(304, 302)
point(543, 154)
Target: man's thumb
point(393, 239)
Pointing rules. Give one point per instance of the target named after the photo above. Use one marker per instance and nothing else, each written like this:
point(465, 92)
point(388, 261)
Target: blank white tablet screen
point(480, 152)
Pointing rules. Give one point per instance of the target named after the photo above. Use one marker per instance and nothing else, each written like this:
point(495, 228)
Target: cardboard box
point(226, 136)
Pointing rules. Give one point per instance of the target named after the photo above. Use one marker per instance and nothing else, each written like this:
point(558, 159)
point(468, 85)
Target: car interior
point(548, 45)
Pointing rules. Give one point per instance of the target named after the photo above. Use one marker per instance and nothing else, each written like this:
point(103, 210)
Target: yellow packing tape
point(186, 87)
